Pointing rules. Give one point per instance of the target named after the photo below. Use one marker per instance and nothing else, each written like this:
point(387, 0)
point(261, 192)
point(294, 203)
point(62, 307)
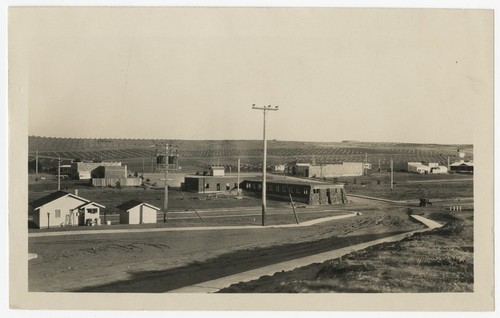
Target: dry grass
point(436, 261)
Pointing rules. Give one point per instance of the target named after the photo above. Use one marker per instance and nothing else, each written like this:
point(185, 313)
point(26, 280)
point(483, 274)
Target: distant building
point(325, 170)
point(279, 168)
point(89, 170)
point(431, 168)
point(136, 212)
point(312, 193)
point(462, 167)
point(217, 171)
point(62, 208)
point(209, 184)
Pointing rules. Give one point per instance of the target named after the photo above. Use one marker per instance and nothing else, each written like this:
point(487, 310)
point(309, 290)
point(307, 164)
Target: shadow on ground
point(227, 264)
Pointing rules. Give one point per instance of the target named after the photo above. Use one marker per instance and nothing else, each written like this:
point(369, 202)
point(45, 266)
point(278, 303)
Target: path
point(195, 228)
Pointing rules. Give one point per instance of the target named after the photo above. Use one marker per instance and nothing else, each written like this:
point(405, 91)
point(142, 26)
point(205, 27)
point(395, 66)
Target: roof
point(89, 203)
point(297, 182)
point(133, 203)
point(199, 176)
point(217, 168)
point(462, 163)
point(52, 197)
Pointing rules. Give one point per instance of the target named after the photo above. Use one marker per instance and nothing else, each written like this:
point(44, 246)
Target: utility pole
point(165, 198)
point(238, 183)
point(36, 165)
point(264, 111)
point(366, 162)
point(59, 173)
point(392, 174)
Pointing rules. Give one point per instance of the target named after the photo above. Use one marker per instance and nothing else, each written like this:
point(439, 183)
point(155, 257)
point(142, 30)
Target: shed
point(137, 212)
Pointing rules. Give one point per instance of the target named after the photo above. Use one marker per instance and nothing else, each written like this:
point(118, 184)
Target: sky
point(194, 73)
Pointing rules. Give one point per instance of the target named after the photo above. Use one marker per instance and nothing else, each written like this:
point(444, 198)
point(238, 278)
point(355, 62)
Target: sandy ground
point(158, 262)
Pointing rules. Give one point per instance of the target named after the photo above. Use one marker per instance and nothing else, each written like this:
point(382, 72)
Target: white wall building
point(136, 212)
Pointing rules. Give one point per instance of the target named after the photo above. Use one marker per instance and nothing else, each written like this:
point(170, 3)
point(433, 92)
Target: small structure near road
point(137, 212)
point(61, 208)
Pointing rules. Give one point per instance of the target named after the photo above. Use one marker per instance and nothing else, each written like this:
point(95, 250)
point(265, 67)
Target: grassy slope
point(436, 261)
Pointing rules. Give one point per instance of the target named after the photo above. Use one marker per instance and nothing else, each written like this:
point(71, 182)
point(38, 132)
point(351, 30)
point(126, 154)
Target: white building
point(433, 167)
point(136, 212)
point(217, 171)
point(62, 208)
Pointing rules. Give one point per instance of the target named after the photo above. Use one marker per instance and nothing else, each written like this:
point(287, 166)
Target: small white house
point(136, 212)
point(62, 208)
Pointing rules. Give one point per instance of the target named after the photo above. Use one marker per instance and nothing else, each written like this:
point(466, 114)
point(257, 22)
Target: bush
point(118, 185)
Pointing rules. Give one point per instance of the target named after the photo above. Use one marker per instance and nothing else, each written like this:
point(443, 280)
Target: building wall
point(94, 217)
point(208, 184)
point(345, 169)
point(88, 170)
point(331, 195)
point(64, 204)
point(140, 214)
point(305, 193)
point(462, 169)
point(115, 172)
point(124, 217)
point(124, 182)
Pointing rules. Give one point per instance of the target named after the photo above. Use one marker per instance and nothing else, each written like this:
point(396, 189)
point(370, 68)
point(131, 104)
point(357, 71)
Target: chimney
point(76, 191)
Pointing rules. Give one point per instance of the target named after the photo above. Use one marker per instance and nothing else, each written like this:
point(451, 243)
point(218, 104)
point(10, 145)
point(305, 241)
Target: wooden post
point(293, 207)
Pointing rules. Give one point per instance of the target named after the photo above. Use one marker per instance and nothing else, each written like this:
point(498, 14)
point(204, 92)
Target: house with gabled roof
point(62, 208)
point(137, 212)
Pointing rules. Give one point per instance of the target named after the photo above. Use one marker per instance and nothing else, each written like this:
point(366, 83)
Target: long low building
point(311, 193)
point(325, 170)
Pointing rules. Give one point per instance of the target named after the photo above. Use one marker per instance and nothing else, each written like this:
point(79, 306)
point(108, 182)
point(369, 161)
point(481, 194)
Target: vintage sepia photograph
point(172, 152)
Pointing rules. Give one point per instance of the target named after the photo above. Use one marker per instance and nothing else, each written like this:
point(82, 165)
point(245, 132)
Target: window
point(92, 211)
point(248, 185)
point(228, 186)
point(306, 191)
point(207, 185)
point(284, 189)
point(270, 187)
point(277, 188)
point(58, 213)
point(315, 190)
point(259, 186)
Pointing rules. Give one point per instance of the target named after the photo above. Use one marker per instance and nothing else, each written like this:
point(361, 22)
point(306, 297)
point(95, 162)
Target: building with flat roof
point(209, 184)
point(312, 193)
point(325, 170)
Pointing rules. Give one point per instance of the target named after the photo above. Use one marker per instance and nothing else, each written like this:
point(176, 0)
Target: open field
point(440, 260)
